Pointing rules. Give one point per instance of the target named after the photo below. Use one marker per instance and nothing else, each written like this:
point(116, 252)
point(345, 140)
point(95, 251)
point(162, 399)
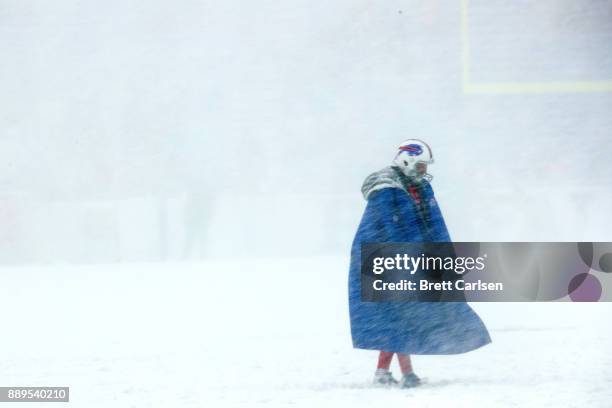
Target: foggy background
point(152, 131)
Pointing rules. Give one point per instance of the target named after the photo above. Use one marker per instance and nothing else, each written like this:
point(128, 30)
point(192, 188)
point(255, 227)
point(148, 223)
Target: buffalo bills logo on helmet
point(412, 149)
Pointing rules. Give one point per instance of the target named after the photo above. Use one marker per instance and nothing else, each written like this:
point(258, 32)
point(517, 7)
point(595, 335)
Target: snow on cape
point(406, 327)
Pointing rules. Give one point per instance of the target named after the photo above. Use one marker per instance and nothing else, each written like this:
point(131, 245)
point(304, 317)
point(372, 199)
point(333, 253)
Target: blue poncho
point(392, 215)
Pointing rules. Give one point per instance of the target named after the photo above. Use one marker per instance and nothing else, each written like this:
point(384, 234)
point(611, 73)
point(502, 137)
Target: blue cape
point(406, 327)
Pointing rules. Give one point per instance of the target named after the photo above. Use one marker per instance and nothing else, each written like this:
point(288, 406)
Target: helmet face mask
point(413, 157)
point(421, 169)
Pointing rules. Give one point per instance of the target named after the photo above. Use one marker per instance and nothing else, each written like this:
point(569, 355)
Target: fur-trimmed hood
point(389, 177)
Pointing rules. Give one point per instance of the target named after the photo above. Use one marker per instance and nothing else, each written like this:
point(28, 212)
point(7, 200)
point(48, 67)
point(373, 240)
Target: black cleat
point(410, 381)
point(384, 378)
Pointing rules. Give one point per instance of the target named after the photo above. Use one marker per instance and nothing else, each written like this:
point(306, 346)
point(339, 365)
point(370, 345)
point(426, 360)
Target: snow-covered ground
point(272, 332)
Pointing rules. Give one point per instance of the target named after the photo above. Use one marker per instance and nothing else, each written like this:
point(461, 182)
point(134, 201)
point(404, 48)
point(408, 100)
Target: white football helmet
point(413, 157)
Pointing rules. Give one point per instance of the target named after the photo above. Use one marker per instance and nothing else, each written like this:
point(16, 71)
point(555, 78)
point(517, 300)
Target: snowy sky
point(126, 98)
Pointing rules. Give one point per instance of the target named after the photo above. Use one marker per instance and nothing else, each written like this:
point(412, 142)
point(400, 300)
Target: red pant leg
point(405, 363)
point(384, 360)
